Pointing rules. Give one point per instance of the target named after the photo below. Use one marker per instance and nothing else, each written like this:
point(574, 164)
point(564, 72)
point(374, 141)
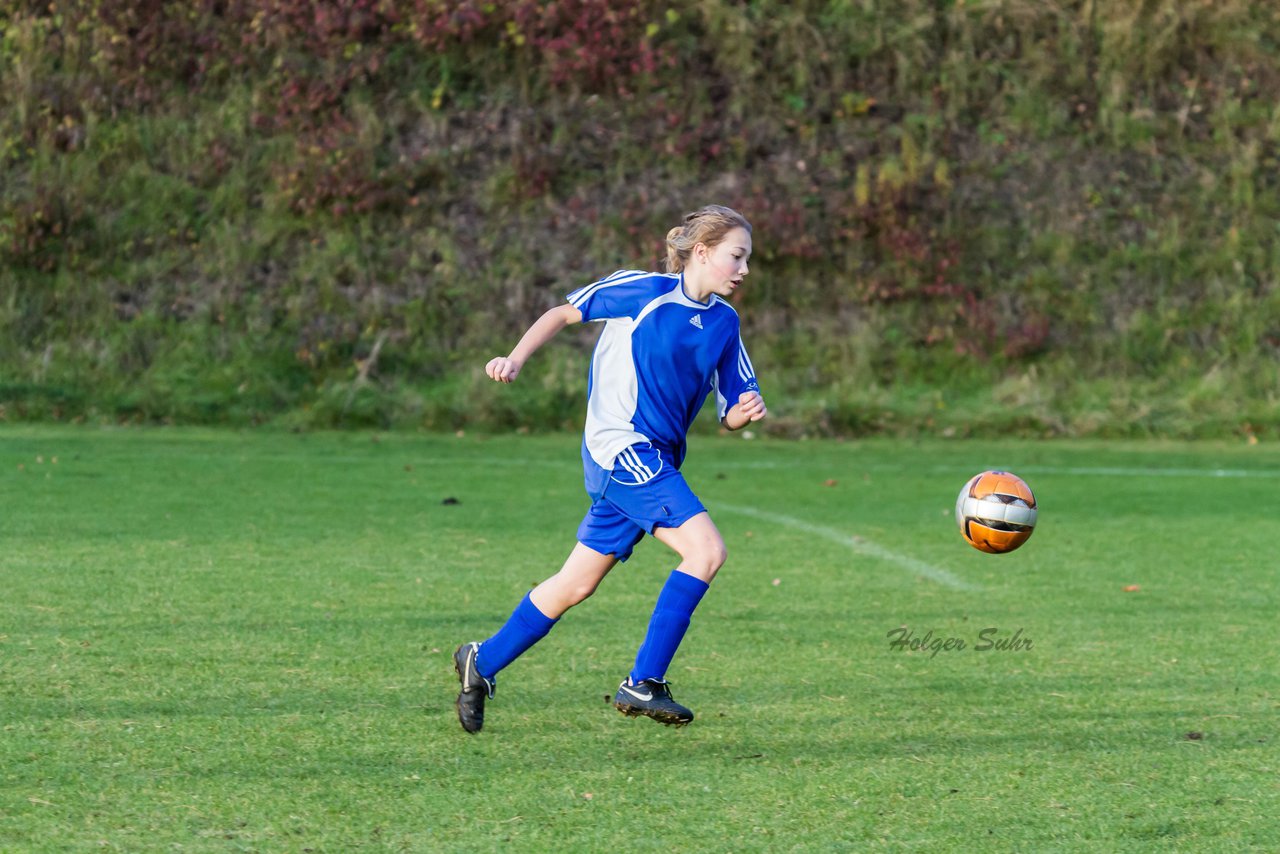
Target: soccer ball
point(996, 512)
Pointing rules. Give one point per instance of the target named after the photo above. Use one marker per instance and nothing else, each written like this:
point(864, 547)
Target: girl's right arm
point(504, 369)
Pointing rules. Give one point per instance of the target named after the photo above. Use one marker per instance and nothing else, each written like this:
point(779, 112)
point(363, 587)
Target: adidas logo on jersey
point(696, 320)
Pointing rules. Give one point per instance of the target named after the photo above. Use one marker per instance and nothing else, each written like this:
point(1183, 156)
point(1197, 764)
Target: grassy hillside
point(1052, 219)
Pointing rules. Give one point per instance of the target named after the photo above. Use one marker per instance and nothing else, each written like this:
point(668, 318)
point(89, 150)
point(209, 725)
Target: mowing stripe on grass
point(859, 544)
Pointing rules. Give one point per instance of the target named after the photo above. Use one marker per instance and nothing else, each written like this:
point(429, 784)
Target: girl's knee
point(707, 559)
point(580, 593)
point(558, 594)
point(719, 554)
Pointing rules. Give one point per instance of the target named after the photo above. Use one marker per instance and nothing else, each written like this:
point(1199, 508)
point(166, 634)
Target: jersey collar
point(690, 301)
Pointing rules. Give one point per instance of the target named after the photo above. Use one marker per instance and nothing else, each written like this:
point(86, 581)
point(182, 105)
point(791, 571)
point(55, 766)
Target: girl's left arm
point(750, 407)
point(734, 372)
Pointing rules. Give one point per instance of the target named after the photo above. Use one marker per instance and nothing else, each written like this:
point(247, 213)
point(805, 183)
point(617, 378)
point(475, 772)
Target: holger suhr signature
point(990, 639)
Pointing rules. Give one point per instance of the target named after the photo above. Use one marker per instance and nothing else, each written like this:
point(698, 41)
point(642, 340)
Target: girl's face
point(725, 264)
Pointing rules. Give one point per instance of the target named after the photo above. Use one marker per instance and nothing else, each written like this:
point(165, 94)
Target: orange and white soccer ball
point(996, 512)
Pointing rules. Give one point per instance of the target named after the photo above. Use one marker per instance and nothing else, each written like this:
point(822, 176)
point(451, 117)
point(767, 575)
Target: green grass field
point(215, 641)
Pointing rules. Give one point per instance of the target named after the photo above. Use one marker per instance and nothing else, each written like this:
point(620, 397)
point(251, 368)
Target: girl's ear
point(700, 251)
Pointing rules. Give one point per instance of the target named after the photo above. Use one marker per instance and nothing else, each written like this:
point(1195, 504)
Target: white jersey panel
point(611, 405)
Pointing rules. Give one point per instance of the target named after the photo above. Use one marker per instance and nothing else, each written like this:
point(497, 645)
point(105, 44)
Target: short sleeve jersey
point(660, 354)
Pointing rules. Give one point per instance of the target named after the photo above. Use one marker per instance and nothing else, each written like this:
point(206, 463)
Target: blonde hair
point(707, 225)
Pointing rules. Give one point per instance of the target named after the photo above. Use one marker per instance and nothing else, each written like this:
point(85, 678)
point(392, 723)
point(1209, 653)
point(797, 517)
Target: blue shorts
point(644, 491)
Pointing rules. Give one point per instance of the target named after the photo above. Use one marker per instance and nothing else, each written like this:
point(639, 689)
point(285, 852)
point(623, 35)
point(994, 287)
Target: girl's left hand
point(751, 406)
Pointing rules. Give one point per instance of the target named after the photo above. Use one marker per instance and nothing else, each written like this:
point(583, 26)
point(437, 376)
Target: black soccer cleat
point(651, 698)
point(475, 688)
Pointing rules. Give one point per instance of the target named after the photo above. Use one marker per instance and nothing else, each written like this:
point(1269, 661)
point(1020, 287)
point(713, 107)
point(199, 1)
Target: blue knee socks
point(525, 627)
point(679, 596)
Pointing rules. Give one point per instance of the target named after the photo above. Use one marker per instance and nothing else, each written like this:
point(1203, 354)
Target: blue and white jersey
point(660, 354)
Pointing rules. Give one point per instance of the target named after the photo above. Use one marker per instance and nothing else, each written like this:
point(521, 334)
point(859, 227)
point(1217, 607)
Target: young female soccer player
point(669, 340)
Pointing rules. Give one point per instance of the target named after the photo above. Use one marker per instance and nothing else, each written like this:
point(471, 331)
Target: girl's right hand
point(502, 369)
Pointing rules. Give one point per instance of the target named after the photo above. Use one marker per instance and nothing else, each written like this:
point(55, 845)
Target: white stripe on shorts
point(630, 460)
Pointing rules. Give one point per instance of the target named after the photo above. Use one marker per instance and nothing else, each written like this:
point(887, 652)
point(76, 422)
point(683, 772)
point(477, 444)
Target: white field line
point(1121, 471)
point(861, 545)
point(447, 457)
point(1071, 471)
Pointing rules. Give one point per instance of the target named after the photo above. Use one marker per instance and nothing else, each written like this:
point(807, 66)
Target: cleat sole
point(637, 712)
